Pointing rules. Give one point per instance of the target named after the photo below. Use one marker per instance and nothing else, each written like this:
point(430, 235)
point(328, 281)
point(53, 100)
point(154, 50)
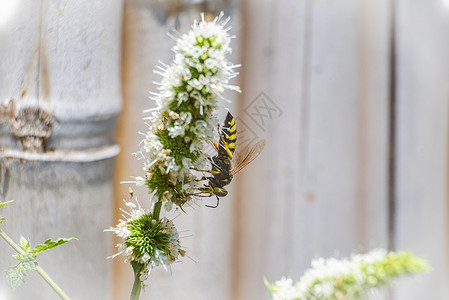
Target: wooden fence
point(353, 100)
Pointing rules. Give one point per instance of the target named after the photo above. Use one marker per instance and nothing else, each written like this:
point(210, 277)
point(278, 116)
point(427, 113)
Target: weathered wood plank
point(422, 153)
point(373, 126)
point(252, 217)
point(19, 54)
point(80, 59)
point(60, 199)
point(137, 25)
point(64, 57)
point(374, 44)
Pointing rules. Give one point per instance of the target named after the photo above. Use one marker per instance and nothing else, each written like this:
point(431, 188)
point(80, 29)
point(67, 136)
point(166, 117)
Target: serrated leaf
point(28, 262)
point(49, 244)
point(24, 244)
point(15, 277)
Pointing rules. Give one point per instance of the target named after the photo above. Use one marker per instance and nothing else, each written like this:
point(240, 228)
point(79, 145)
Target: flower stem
point(52, 284)
point(11, 242)
point(39, 270)
point(137, 287)
point(157, 210)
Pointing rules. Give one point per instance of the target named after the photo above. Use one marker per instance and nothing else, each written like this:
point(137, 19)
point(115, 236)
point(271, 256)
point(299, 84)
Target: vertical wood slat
point(49, 52)
point(262, 203)
point(136, 31)
point(63, 56)
point(331, 131)
point(19, 53)
point(373, 124)
point(78, 52)
point(325, 165)
point(422, 212)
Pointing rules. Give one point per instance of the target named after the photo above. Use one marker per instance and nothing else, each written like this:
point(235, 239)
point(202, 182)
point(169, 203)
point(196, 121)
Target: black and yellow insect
point(222, 171)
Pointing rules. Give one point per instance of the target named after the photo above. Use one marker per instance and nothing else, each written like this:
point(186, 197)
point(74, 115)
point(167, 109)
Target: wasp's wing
point(247, 155)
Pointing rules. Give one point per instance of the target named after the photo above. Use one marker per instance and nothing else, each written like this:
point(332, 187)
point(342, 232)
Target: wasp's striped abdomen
point(228, 138)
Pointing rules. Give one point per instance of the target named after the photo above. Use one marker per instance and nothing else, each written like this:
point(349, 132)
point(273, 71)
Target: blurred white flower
point(345, 279)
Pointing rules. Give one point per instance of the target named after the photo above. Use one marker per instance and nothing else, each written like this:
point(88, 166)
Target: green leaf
point(269, 286)
point(1, 205)
point(49, 244)
point(15, 275)
point(24, 244)
point(4, 203)
point(28, 262)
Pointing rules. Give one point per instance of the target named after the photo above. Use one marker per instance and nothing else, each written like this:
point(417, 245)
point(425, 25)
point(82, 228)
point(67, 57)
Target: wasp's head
point(220, 192)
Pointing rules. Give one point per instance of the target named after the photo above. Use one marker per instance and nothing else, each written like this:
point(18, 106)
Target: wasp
point(223, 169)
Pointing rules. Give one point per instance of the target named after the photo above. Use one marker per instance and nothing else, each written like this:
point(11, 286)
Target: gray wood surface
point(422, 164)
point(60, 199)
point(62, 57)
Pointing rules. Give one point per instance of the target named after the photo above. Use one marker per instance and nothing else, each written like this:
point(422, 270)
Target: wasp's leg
point(203, 192)
point(202, 179)
point(208, 171)
point(218, 201)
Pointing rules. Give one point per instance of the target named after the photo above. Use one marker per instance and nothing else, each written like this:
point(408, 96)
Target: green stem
point(157, 210)
point(137, 286)
point(52, 284)
point(11, 242)
point(39, 270)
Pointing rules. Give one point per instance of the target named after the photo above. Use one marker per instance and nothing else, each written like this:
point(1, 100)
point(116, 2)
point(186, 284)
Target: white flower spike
point(184, 120)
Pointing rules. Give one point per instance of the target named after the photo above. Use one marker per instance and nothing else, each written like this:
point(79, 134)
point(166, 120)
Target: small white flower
point(145, 258)
point(129, 251)
point(210, 63)
point(130, 205)
point(173, 115)
point(285, 290)
point(176, 130)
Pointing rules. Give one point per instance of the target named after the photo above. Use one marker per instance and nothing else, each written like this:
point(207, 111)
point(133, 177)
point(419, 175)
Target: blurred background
point(351, 96)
